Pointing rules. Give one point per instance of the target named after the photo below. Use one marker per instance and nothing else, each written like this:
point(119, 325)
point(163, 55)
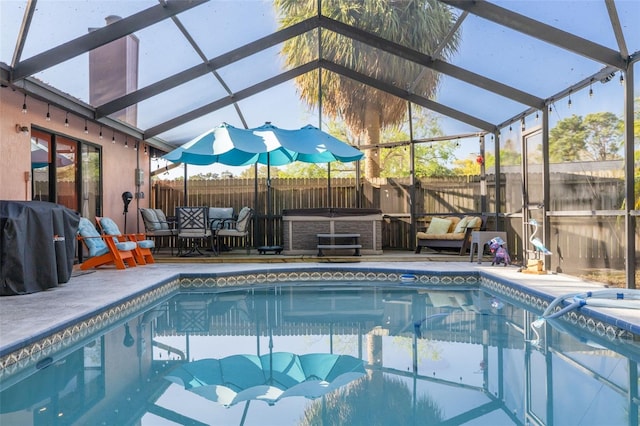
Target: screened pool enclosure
point(519, 110)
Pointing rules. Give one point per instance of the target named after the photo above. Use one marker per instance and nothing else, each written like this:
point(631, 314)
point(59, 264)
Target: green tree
point(636, 185)
point(466, 166)
point(310, 170)
point(250, 172)
point(603, 136)
point(636, 120)
point(419, 24)
point(431, 158)
point(305, 170)
point(509, 155)
point(373, 400)
point(205, 176)
point(597, 137)
point(567, 140)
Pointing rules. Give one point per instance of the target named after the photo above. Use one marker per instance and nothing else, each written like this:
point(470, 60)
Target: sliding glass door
point(67, 172)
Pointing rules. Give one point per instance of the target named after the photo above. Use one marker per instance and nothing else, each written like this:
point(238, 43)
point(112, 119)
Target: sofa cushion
point(126, 245)
point(439, 226)
point(449, 236)
point(146, 244)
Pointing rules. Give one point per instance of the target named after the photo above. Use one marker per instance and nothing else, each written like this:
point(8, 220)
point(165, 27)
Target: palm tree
point(371, 401)
point(423, 25)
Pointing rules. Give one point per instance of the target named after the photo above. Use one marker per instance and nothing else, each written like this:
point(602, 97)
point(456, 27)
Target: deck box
point(301, 227)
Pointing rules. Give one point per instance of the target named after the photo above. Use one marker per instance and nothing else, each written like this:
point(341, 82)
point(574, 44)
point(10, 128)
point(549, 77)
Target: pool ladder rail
point(610, 298)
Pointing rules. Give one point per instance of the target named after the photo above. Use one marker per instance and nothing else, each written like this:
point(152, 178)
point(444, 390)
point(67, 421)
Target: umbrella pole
point(269, 224)
point(270, 355)
point(244, 412)
point(258, 228)
point(186, 203)
point(269, 216)
point(329, 201)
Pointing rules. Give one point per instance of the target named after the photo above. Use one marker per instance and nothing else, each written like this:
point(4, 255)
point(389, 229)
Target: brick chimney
point(113, 72)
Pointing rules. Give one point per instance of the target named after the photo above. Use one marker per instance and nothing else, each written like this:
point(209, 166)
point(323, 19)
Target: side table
point(480, 238)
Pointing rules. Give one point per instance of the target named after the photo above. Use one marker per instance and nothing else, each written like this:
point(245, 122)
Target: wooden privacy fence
point(456, 194)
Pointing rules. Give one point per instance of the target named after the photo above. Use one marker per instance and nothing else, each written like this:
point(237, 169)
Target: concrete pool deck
point(25, 317)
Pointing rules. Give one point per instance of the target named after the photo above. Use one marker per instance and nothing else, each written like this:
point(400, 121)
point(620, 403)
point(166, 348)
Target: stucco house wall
point(118, 163)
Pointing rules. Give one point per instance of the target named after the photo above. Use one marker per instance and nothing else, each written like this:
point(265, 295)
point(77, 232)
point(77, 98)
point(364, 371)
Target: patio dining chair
point(238, 228)
point(193, 229)
point(103, 249)
point(158, 228)
point(142, 249)
point(219, 217)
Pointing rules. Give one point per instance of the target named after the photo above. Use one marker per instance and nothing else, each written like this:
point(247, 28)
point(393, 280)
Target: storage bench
point(338, 241)
point(301, 228)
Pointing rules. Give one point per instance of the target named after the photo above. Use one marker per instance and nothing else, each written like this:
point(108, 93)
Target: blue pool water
point(335, 354)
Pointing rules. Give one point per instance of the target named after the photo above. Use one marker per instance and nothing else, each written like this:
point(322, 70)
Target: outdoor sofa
point(451, 231)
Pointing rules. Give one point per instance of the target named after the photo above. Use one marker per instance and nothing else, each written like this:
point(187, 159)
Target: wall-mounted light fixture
point(48, 116)
point(66, 120)
point(86, 129)
point(24, 104)
point(22, 129)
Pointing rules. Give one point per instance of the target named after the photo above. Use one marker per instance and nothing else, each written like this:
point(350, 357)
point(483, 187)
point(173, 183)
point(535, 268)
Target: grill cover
point(37, 247)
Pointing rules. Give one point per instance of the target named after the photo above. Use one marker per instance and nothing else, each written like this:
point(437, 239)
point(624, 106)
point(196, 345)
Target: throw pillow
point(150, 219)
point(243, 219)
point(438, 226)
point(162, 219)
point(454, 221)
point(461, 227)
point(474, 222)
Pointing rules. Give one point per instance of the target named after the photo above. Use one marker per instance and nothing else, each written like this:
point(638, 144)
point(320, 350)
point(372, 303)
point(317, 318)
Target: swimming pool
point(446, 347)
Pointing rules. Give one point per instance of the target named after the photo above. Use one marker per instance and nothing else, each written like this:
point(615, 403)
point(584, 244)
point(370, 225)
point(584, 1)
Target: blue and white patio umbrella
point(224, 144)
point(266, 144)
point(308, 144)
point(269, 378)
